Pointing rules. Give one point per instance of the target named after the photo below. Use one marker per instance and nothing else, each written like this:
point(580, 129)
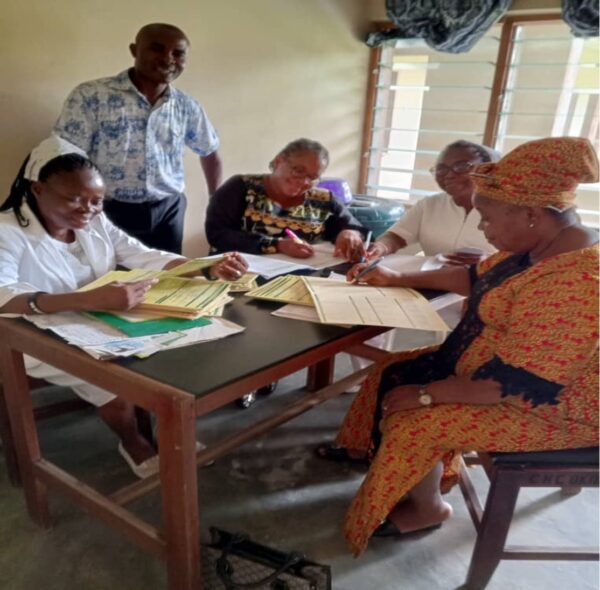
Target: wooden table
point(178, 386)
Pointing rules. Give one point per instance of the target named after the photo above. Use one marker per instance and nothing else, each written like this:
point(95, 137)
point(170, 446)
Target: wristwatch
point(424, 398)
point(32, 303)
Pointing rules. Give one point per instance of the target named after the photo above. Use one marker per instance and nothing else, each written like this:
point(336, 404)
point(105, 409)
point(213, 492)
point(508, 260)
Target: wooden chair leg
point(491, 538)
point(320, 375)
point(8, 443)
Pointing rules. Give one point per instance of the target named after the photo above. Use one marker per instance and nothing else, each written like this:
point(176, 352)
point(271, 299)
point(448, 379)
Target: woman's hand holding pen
point(295, 248)
point(377, 250)
point(378, 276)
point(349, 245)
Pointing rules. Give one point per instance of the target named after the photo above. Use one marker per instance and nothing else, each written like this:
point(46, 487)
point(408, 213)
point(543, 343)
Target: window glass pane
point(552, 90)
point(425, 100)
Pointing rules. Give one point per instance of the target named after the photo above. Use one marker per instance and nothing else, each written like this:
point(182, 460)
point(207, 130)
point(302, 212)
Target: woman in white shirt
point(54, 239)
point(446, 222)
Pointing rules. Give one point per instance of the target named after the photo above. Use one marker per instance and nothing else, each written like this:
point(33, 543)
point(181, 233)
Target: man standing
point(134, 127)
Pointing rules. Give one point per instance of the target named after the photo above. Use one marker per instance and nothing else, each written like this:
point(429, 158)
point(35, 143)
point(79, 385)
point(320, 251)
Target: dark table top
point(267, 341)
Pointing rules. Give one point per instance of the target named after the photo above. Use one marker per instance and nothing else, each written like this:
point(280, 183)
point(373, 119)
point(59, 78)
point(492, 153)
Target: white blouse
point(31, 260)
point(440, 226)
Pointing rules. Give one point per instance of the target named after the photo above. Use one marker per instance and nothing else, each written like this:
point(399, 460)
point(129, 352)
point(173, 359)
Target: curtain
point(581, 16)
point(453, 26)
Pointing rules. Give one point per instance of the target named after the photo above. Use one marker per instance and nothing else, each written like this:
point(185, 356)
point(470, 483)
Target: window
point(527, 78)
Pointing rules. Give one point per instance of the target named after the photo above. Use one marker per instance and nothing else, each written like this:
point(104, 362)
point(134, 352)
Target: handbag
point(232, 561)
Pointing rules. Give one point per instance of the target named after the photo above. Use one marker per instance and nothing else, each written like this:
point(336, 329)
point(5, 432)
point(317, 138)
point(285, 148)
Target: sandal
point(142, 470)
point(388, 529)
point(330, 452)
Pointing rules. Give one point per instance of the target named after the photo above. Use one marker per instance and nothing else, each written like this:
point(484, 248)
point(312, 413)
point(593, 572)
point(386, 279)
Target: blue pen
point(367, 269)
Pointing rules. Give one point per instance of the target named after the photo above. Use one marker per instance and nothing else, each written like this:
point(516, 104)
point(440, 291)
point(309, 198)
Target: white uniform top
point(441, 226)
point(32, 260)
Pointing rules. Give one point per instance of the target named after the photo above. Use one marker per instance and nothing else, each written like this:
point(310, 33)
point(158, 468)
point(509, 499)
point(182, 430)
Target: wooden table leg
point(8, 443)
point(321, 374)
point(179, 481)
point(24, 430)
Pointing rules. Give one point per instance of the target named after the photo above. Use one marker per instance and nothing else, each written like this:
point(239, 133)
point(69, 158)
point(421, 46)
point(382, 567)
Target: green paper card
point(149, 327)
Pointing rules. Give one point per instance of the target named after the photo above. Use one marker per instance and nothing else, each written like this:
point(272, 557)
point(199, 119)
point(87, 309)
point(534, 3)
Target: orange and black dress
point(534, 329)
point(240, 216)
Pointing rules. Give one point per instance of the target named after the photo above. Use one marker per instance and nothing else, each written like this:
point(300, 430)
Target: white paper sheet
point(268, 266)
point(217, 329)
point(77, 329)
point(103, 341)
point(322, 258)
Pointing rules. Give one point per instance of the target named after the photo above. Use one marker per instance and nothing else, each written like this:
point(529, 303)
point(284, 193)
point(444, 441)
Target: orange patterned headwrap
point(541, 173)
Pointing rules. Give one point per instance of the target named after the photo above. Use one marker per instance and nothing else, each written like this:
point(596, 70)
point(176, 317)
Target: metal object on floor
point(248, 400)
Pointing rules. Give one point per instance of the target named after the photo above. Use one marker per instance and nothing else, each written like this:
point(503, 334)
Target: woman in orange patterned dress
point(519, 373)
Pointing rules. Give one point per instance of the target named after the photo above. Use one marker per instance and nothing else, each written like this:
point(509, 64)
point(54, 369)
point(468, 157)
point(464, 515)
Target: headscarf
point(47, 150)
point(541, 173)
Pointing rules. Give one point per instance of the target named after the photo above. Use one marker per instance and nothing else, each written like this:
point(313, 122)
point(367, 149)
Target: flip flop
point(388, 529)
point(330, 452)
point(142, 470)
point(151, 466)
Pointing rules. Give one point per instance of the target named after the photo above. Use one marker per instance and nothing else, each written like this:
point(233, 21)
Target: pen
point(367, 269)
point(290, 234)
point(367, 244)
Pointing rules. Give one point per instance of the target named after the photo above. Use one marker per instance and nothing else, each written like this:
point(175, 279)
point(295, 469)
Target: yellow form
point(394, 307)
point(171, 296)
point(285, 289)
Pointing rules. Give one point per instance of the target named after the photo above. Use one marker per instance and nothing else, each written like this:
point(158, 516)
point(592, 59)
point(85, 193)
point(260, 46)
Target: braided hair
point(20, 189)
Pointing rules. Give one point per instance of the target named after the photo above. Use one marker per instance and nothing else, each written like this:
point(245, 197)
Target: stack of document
point(393, 307)
point(335, 301)
point(246, 283)
point(172, 296)
point(102, 341)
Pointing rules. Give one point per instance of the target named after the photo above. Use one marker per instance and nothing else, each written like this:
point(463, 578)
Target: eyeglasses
point(300, 173)
point(458, 168)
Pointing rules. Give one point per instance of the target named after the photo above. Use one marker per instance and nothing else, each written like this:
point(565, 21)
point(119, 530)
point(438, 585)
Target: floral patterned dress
point(241, 216)
point(533, 328)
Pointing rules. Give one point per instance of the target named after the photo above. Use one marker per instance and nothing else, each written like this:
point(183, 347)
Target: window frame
point(509, 25)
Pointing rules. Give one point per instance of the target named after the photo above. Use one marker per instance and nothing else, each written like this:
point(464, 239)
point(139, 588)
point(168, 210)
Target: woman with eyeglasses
point(54, 239)
point(520, 371)
point(445, 223)
point(283, 211)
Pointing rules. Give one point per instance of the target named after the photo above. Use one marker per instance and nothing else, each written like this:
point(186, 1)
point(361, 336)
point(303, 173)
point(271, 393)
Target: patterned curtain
point(453, 26)
point(581, 16)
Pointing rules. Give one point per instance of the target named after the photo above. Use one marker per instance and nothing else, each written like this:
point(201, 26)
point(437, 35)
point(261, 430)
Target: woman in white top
point(446, 222)
point(54, 238)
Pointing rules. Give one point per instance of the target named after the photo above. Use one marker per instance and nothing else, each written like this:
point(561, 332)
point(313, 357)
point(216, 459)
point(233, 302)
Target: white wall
point(267, 71)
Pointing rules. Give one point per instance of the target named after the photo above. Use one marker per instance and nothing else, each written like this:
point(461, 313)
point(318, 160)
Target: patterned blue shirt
point(137, 146)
